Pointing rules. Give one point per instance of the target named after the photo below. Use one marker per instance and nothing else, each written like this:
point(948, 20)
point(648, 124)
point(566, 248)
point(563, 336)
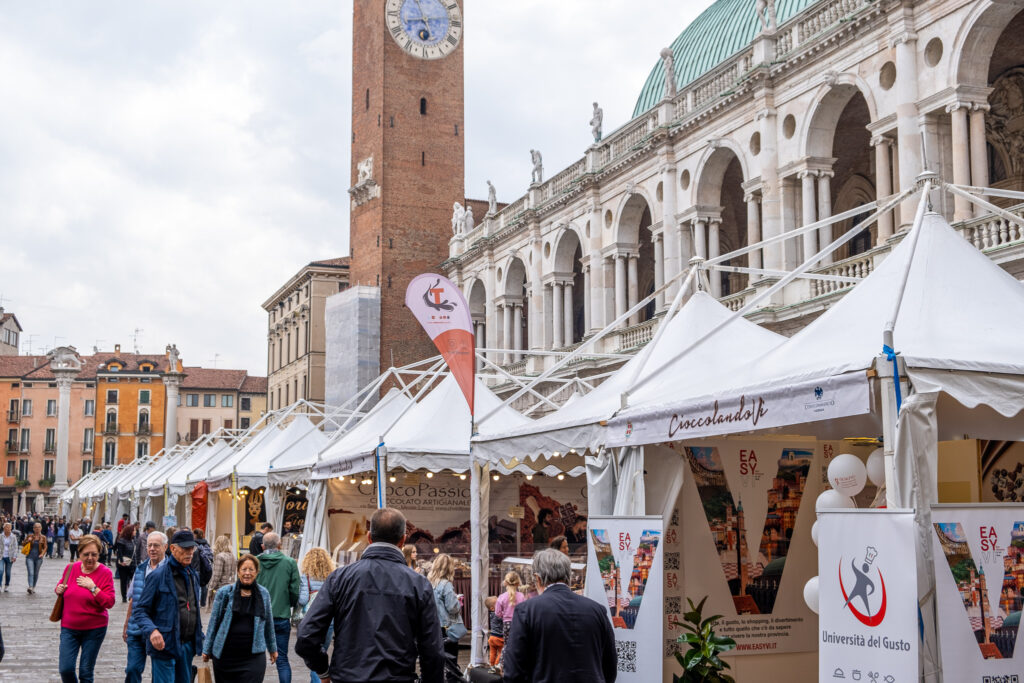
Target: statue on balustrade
point(595, 122)
point(538, 167)
point(668, 61)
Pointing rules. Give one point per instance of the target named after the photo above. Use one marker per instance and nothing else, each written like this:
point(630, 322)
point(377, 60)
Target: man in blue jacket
point(156, 545)
point(168, 613)
point(383, 612)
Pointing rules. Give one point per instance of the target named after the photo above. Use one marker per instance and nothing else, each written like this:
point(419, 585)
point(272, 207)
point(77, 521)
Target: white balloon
point(814, 533)
point(876, 467)
point(847, 474)
point(811, 594)
point(832, 499)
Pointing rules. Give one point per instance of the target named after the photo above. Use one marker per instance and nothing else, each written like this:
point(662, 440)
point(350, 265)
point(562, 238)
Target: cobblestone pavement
point(31, 640)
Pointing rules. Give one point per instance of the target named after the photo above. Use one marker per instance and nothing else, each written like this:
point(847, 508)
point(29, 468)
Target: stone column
point(807, 192)
point(961, 157)
point(492, 325)
point(979, 152)
point(699, 241)
point(586, 298)
point(908, 125)
point(883, 184)
point(771, 194)
point(753, 232)
point(825, 211)
point(659, 269)
point(633, 292)
point(620, 286)
point(568, 319)
point(558, 309)
point(506, 342)
point(172, 381)
point(670, 261)
point(714, 251)
point(480, 337)
point(517, 331)
point(64, 377)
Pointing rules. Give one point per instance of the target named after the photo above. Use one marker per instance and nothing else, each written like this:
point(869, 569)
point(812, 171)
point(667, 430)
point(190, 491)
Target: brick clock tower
point(407, 154)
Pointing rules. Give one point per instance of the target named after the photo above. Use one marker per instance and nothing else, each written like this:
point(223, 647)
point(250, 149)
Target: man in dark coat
point(384, 614)
point(558, 636)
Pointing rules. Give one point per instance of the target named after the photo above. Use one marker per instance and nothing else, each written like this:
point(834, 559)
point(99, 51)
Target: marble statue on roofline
point(457, 220)
point(595, 122)
point(468, 222)
point(172, 357)
point(64, 358)
point(668, 61)
point(492, 199)
point(538, 167)
point(766, 13)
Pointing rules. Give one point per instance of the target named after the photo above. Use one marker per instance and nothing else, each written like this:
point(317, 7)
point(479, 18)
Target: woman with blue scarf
point(241, 627)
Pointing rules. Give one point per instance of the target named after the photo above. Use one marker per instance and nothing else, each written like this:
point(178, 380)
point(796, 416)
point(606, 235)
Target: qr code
point(626, 652)
point(673, 606)
point(1009, 678)
point(671, 648)
point(675, 518)
point(672, 561)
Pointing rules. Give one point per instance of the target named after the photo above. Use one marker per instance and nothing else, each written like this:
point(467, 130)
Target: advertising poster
point(746, 513)
point(253, 512)
point(979, 586)
point(437, 511)
point(624, 573)
point(867, 596)
point(295, 510)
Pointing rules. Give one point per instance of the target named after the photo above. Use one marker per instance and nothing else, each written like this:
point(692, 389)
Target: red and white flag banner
point(442, 311)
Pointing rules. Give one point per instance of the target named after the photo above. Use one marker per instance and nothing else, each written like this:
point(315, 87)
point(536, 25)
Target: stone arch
point(633, 236)
point(476, 296)
point(514, 289)
point(516, 276)
point(567, 263)
point(830, 101)
point(722, 212)
point(856, 191)
point(976, 41)
point(630, 215)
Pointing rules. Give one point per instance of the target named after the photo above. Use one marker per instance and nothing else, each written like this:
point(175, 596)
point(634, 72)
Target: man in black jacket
point(558, 636)
point(384, 615)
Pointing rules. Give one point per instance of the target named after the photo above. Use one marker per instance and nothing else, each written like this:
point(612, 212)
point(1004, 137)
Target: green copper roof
point(719, 32)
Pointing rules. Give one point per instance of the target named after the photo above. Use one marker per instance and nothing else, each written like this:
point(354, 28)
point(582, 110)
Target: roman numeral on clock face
point(395, 30)
point(453, 40)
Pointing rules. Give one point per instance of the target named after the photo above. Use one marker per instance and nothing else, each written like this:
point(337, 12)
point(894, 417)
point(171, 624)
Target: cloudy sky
point(166, 166)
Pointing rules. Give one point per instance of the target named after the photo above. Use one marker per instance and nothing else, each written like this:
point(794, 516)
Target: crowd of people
point(381, 618)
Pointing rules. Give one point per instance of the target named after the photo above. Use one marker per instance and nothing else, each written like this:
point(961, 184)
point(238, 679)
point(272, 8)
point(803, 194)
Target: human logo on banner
point(867, 596)
point(979, 583)
point(624, 573)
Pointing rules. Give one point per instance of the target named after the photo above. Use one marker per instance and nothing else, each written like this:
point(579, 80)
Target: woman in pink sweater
point(88, 590)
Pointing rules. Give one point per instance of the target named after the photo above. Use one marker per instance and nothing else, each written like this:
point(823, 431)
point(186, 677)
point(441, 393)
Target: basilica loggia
point(760, 119)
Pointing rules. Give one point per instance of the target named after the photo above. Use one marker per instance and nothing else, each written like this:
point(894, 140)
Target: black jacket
point(256, 543)
point(560, 637)
point(384, 617)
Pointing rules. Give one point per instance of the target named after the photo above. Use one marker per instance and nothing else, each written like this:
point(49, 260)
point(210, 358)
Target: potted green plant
point(20, 483)
point(701, 662)
point(46, 483)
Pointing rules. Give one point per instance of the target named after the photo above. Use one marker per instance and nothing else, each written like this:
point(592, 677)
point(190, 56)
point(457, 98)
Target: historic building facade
point(10, 333)
point(767, 123)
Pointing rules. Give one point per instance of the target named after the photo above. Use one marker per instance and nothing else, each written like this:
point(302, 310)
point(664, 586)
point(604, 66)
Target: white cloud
point(167, 166)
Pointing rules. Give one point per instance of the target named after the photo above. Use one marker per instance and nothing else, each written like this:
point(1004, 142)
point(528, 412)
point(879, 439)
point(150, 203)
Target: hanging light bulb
point(430, 475)
point(561, 477)
point(392, 479)
point(352, 480)
point(462, 477)
point(495, 477)
point(529, 477)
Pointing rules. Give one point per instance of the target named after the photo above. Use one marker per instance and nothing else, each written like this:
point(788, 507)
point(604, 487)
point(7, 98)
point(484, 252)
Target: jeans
point(282, 631)
point(74, 550)
point(6, 570)
point(136, 659)
point(313, 678)
point(49, 547)
point(177, 669)
point(33, 567)
point(71, 641)
point(60, 546)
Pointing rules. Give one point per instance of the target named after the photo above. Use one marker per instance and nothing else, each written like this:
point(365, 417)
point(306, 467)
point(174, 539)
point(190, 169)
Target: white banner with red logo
point(979, 585)
point(798, 403)
point(442, 311)
point(867, 599)
point(624, 573)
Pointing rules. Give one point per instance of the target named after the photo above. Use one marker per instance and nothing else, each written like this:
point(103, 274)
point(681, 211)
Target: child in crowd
point(496, 641)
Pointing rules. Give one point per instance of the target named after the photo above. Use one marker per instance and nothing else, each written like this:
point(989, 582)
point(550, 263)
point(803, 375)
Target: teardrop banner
point(442, 311)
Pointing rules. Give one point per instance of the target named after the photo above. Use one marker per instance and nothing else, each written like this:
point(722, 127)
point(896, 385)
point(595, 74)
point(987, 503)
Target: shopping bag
point(204, 674)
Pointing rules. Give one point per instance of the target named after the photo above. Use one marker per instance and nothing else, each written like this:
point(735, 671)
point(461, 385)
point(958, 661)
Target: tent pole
point(234, 514)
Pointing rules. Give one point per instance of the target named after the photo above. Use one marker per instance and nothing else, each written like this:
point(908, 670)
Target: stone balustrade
point(637, 335)
point(992, 231)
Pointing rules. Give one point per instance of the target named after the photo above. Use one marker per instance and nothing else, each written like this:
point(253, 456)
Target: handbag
point(58, 607)
point(25, 549)
point(204, 674)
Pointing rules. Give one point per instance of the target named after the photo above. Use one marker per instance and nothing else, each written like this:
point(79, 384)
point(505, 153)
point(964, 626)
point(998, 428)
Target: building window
point(112, 396)
point(193, 430)
point(26, 439)
point(14, 409)
point(51, 407)
point(26, 407)
point(23, 470)
point(12, 439)
point(191, 400)
point(111, 421)
point(227, 401)
point(50, 445)
point(86, 467)
point(12, 468)
point(142, 449)
point(209, 400)
point(48, 469)
point(178, 402)
point(144, 396)
point(246, 403)
point(110, 453)
point(90, 407)
point(229, 424)
point(87, 439)
point(207, 426)
point(243, 423)
point(423, 106)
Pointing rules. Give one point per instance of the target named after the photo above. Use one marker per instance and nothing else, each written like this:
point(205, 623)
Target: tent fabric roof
point(960, 313)
point(576, 425)
point(364, 437)
point(299, 442)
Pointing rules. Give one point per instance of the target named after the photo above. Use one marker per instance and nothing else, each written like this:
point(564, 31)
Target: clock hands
point(423, 18)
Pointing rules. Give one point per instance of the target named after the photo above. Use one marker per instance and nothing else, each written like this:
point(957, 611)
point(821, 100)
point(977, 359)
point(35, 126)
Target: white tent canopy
point(218, 475)
point(578, 425)
point(299, 442)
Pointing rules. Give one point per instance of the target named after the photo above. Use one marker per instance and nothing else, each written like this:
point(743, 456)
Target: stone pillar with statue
point(65, 366)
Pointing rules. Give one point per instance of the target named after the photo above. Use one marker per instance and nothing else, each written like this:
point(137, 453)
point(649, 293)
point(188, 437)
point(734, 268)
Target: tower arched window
point(423, 106)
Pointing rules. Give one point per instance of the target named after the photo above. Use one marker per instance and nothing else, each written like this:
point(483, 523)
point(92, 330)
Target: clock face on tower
point(426, 29)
